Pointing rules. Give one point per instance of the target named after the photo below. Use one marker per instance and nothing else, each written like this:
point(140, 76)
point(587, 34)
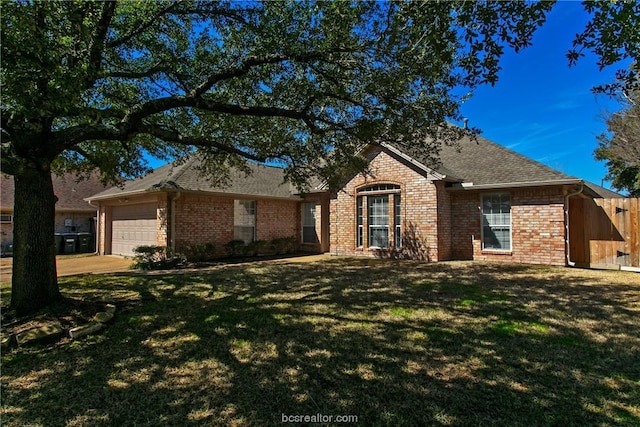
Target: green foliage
point(156, 258)
point(258, 247)
point(292, 81)
point(199, 253)
point(235, 248)
point(620, 146)
point(613, 35)
point(285, 245)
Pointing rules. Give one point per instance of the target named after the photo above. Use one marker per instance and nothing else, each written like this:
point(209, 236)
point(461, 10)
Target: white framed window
point(244, 220)
point(397, 211)
point(309, 234)
point(496, 222)
point(360, 223)
point(378, 208)
point(381, 220)
point(6, 218)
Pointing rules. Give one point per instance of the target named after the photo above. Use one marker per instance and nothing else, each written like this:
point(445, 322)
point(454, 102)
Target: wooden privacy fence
point(604, 233)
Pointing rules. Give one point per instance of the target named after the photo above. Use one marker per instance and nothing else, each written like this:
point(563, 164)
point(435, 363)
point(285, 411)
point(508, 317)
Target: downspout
point(566, 222)
point(97, 226)
point(173, 220)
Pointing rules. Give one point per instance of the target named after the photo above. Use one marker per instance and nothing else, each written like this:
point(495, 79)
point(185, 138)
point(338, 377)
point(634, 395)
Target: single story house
point(73, 214)
point(484, 202)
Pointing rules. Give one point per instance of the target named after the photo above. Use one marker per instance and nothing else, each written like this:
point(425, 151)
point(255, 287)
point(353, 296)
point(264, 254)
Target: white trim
point(470, 186)
point(482, 240)
point(433, 174)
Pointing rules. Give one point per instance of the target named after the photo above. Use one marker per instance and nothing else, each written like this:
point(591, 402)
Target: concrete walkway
point(69, 265)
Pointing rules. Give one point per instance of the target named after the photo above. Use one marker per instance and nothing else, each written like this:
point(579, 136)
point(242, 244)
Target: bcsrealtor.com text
point(319, 418)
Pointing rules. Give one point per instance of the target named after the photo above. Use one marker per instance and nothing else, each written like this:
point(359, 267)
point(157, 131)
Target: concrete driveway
point(69, 265)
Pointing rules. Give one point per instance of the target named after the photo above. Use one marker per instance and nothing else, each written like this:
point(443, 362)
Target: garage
point(132, 226)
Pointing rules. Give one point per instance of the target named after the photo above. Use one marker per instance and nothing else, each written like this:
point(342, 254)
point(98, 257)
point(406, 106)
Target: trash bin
point(59, 243)
point(70, 243)
point(84, 243)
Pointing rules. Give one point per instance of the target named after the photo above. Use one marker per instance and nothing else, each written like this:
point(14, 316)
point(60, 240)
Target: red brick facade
point(200, 219)
point(537, 226)
point(447, 222)
point(418, 210)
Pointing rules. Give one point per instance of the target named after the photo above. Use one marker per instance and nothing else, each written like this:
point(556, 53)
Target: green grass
point(395, 343)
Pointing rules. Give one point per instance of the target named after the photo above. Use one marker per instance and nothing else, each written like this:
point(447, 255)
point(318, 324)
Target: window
point(378, 221)
point(496, 222)
point(379, 188)
point(381, 221)
point(397, 220)
point(309, 234)
point(359, 231)
point(244, 220)
point(5, 218)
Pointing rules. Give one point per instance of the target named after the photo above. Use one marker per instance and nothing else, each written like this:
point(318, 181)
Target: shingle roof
point(483, 162)
point(599, 192)
point(70, 191)
point(266, 181)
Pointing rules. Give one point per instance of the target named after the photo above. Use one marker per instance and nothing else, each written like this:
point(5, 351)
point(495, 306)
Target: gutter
point(566, 223)
point(470, 186)
point(201, 192)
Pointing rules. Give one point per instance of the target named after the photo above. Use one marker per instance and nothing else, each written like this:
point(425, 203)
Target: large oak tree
point(105, 84)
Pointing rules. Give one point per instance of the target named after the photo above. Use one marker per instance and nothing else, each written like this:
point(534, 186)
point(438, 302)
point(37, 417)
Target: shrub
point(199, 253)
point(155, 258)
point(235, 248)
point(257, 247)
point(285, 245)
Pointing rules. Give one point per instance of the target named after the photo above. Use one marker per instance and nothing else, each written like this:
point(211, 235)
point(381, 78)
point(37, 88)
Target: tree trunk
point(34, 282)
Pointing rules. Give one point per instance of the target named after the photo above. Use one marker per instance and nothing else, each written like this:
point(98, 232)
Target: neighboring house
point(73, 213)
point(484, 203)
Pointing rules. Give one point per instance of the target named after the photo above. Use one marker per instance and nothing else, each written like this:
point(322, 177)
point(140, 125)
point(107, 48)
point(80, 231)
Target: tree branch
point(97, 41)
point(174, 136)
point(248, 64)
point(141, 28)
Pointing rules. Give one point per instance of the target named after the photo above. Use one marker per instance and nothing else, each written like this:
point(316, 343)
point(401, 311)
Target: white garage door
point(131, 226)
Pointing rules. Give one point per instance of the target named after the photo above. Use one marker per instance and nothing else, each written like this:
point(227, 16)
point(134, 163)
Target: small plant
point(235, 248)
point(257, 247)
point(199, 253)
point(285, 245)
point(155, 258)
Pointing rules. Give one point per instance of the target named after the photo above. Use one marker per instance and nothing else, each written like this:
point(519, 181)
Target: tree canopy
point(620, 146)
point(102, 84)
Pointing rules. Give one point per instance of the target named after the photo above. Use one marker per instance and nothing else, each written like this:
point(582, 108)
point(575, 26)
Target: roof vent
point(466, 123)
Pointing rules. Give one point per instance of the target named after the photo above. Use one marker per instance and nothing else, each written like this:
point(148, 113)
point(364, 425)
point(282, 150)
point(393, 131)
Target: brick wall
point(203, 219)
point(277, 218)
point(209, 219)
point(537, 222)
point(419, 207)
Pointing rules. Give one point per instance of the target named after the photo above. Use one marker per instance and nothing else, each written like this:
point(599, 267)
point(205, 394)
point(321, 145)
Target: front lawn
point(394, 343)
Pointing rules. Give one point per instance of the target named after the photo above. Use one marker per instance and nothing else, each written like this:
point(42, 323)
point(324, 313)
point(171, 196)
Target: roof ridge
point(181, 170)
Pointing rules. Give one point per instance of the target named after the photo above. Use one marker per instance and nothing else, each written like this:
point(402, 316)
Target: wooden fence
point(604, 233)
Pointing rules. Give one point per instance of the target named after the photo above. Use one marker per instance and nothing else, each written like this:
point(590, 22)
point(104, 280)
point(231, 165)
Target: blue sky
point(542, 108)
